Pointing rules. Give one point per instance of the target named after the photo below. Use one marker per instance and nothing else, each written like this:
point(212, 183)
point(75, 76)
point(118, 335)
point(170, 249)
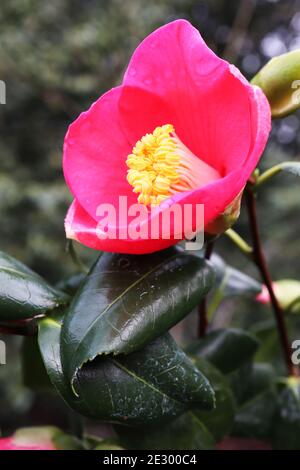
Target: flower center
point(160, 165)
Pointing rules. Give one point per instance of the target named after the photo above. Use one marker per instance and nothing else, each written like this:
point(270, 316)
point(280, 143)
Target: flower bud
point(35, 438)
point(280, 81)
point(287, 292)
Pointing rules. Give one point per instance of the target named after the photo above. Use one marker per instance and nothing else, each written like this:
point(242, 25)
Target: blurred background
point(56, 58)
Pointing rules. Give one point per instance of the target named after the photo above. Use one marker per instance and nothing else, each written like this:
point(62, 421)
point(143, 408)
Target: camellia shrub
point(160, 168)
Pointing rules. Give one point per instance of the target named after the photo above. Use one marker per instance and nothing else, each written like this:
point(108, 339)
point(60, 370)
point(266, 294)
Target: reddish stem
point(202, 309)
point(260, 262)
point(21, 328)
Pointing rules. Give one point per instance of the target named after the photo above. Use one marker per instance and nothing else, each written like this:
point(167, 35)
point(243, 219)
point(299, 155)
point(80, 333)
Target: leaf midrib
point(98, 318)
point(139, 378)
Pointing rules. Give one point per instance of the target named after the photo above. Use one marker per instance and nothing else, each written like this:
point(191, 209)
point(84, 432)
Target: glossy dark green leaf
point(254, 418)
point(150, 386)
point(251, 380)
point(232, 282)
point(33, 370)
point(71, 284)
point(255, 391)
point(269, 348)
point(218, 421)
point(286, 425)
point(227, 349)
point(9, 262)
point(23, 293)
point(49, 344)
point(239, 382)
point(184, 433)
point(127, 301)
point(262, 376)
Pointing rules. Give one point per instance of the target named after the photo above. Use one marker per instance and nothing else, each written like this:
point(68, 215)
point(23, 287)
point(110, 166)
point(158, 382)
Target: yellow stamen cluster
point(153, 166)
point(160, 165)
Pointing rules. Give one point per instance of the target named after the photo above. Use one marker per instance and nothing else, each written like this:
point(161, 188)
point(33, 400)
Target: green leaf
point(269, 349)
point(261, 377)
point(71, 284)
point(127, 301)
point(286, 425)
point(220, 420)
point(239, 382)
point(33, 370)
point(108, 444)
point(232, 282)
point(151, 386)
point(184, 433)
point(92, 442)
point(49, 344)
point(251, 380)
point(255, 391)
point(254, 417)
point(64, 441)
point(227, 349)
point(23, 293)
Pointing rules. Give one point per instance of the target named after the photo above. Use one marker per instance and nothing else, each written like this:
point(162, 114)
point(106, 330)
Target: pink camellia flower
point(184, 128)
point(26, 440)
point(264, 297)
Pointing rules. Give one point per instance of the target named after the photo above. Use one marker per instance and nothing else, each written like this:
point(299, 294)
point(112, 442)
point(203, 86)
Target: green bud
point(280, 81)
point(287, 292)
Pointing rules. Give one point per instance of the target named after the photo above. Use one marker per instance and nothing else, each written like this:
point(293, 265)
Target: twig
point(202, 309)
point(260, 262)
point(19, 327)
point(239, 29)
